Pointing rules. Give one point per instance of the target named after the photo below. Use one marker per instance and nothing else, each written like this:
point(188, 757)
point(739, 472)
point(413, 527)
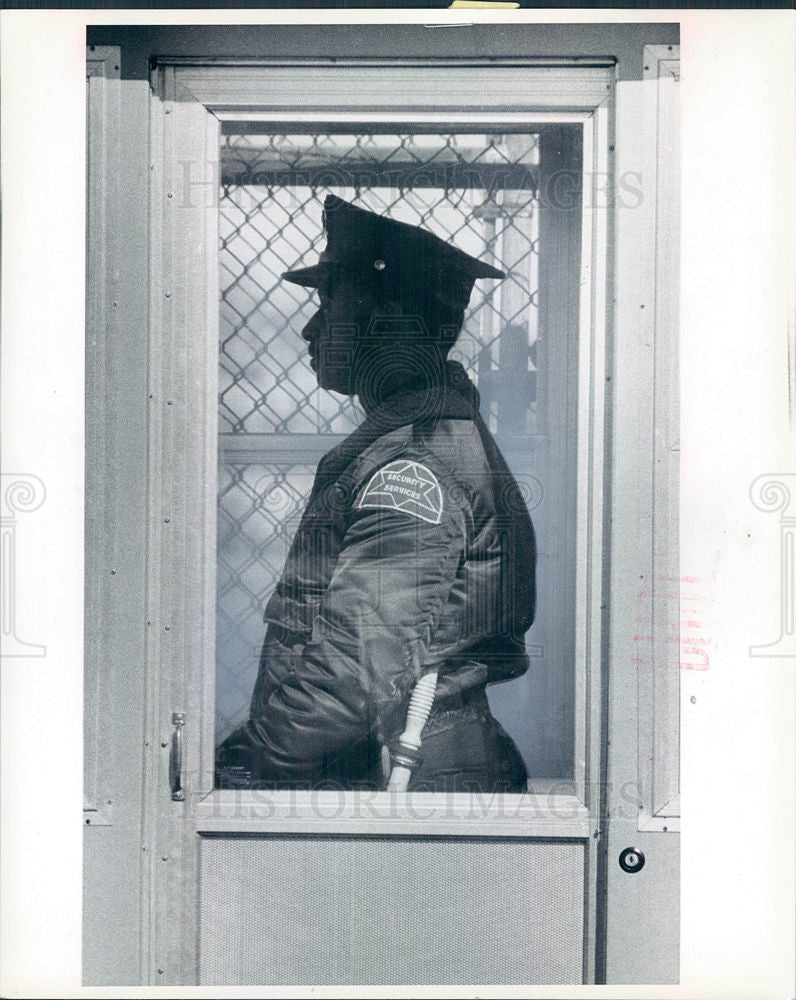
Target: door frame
point(190, 97)
point(649, 598)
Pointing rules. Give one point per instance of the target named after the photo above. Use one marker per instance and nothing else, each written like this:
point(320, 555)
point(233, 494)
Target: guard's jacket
point(416, 551)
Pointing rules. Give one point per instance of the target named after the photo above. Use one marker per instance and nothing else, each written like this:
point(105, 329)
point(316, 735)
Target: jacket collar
point(452, 397)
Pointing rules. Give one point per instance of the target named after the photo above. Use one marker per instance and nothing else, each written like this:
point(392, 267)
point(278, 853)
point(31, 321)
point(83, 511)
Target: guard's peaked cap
point(394, 254)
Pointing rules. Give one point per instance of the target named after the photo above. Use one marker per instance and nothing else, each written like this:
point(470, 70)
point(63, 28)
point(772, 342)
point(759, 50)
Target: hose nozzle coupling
point(406, 757)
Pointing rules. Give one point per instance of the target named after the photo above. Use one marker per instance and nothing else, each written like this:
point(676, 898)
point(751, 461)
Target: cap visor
point(310, 277)
point(487, 271)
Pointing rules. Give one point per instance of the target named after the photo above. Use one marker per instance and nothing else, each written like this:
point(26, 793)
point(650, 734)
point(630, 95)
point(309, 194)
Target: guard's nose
point(313, 327)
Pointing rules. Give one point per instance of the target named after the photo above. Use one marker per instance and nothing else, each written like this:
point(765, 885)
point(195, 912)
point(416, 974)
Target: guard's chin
point(335, 381)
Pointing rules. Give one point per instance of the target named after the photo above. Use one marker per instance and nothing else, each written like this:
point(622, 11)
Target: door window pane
point(478, 190)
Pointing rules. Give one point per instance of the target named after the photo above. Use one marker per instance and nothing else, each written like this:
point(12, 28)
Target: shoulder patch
point(408, 486)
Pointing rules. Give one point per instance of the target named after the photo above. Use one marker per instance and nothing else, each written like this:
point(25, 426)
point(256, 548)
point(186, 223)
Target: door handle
point(175, 757)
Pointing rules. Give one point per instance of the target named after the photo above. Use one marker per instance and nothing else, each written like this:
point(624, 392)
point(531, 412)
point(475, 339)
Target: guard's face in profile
point(332, 333)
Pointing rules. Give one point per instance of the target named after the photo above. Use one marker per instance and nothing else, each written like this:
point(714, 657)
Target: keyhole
point(631, 860)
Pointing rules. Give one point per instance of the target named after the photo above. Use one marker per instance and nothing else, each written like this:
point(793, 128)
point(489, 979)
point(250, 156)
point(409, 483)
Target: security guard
point(415, 552)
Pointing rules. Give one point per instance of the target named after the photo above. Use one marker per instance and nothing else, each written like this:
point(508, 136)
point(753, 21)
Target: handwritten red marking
point(694, 645)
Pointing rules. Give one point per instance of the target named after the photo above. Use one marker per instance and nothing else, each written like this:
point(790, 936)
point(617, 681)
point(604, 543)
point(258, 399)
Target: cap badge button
point(379, 265)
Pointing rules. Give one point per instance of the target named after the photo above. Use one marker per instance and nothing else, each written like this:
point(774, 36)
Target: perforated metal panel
point(333, 910)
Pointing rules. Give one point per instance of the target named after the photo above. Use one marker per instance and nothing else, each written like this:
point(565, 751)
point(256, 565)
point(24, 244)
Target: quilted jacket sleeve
point(405, 539)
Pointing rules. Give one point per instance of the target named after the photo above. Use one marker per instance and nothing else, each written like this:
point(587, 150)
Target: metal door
point(323, 859)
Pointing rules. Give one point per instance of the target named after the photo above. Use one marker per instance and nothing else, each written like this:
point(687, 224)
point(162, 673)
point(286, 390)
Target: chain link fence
point(477, 190)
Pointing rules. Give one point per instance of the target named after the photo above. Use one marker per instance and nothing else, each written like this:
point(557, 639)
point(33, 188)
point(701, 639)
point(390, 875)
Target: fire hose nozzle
point(409, 741)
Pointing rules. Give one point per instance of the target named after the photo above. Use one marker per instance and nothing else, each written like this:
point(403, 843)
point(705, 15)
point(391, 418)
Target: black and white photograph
point(391, 619)
point(404, 491)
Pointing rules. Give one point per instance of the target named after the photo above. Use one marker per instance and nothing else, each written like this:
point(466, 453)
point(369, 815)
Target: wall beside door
point(116, 504)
